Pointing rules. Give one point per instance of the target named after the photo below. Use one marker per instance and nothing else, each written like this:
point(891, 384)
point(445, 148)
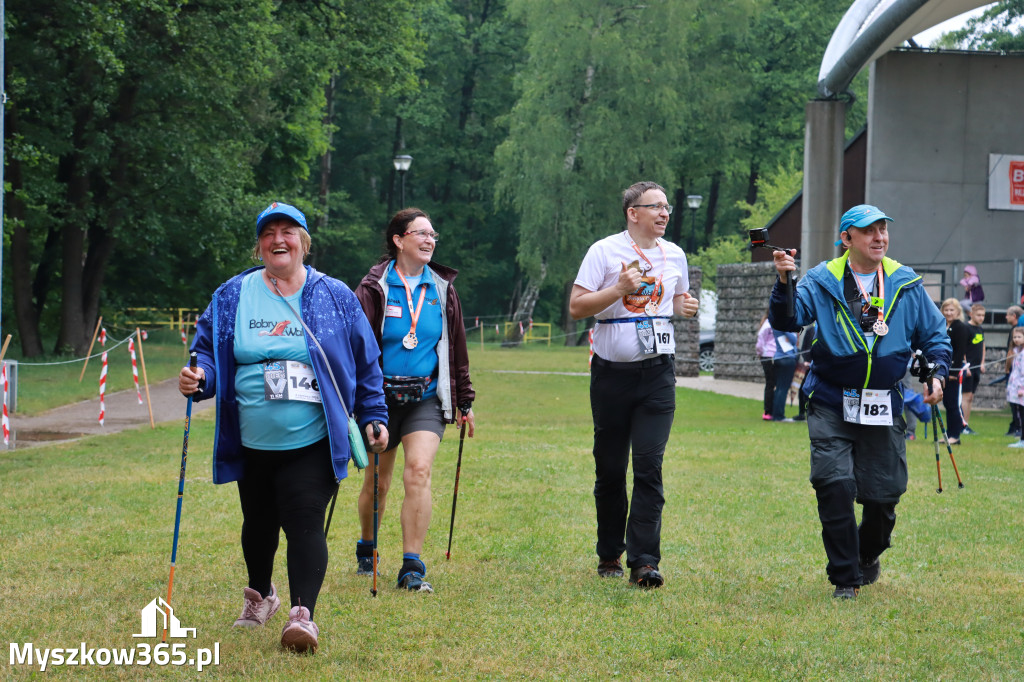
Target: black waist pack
point(404, 390)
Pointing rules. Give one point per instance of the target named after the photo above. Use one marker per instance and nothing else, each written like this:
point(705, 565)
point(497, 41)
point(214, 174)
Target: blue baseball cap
point(279, 210)
point(860, 216)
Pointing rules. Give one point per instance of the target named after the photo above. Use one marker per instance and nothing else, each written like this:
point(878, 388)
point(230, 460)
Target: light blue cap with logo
point(860, 216)
point(279, 210)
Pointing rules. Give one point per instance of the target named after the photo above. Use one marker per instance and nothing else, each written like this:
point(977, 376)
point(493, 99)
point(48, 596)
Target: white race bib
point(868, 406)
point(664, 336)
point(290, 380)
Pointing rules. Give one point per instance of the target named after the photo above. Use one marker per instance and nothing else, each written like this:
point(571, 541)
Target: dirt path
point(70, 422)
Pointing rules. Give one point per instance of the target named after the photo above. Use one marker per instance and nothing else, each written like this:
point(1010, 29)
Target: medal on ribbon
point(410, 341)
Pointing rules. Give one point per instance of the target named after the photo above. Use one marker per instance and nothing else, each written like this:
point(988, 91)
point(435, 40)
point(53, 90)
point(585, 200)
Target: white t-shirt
point(618, 342)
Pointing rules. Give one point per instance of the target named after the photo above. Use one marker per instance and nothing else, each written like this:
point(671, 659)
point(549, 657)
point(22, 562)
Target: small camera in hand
point(759, 240)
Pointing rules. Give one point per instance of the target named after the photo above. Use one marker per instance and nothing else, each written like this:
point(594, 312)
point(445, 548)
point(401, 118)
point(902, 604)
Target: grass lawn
point(87, 528)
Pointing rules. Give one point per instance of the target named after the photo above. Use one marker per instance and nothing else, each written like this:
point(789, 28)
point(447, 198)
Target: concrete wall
point(933, 119)
point(743, 292)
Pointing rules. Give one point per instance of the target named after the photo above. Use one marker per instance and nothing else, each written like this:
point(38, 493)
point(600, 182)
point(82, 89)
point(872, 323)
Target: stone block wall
point(687, 332)
point(743, 292)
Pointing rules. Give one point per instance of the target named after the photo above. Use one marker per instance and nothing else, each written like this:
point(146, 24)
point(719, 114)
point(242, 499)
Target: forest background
point(142, 137)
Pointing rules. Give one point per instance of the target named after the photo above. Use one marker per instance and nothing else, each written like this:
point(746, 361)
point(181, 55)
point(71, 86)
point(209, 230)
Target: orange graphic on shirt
point(278, 329)
point(636, 300)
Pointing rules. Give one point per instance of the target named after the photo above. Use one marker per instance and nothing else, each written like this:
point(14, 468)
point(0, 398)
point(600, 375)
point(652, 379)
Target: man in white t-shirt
point(633, 282)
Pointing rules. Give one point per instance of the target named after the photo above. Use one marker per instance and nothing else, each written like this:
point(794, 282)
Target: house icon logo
point(158, 610)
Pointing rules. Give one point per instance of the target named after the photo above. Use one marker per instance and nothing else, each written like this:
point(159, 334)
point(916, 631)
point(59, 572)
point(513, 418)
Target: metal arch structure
point(870, 28)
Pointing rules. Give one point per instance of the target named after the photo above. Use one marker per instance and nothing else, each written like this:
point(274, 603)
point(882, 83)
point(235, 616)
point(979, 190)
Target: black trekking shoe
point(845, 592)
point(364, 559)
point(612, 568)
point(870, 570)
point(646, 577)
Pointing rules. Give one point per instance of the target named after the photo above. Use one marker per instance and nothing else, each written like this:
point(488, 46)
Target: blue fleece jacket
point(333, 314)
point(841, 356)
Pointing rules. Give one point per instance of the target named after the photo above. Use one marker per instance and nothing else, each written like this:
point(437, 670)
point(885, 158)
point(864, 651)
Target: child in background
point(1015, 382)
point(976, 359)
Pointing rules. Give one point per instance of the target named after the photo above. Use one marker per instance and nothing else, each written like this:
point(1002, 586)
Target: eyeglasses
point(424, 233)
point(657, 207)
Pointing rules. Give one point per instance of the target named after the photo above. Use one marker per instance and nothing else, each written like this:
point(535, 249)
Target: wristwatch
point(466, 407)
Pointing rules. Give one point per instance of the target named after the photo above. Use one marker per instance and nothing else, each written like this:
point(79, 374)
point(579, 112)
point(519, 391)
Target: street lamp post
point(402, 163)
point(693, 203)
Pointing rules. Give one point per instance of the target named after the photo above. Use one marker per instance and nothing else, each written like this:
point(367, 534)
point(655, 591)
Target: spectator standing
point(1013, 318)
point(1015, 382)
point(976, 360)
point(765, 347)
point(973, 292)
point(958, 371)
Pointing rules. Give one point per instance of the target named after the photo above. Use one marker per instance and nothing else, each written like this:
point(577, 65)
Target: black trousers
point(290, 490)
point(633, 406)
point(769, 384)
point(854, 463)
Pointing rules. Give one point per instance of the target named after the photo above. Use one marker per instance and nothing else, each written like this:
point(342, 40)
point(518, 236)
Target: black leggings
point(287, 489)
point(769, 384)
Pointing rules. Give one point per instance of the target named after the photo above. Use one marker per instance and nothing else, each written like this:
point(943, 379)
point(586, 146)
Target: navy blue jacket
point(840, 354)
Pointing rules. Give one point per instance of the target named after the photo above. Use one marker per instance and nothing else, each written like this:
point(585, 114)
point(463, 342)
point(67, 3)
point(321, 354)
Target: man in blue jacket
point(871, 312)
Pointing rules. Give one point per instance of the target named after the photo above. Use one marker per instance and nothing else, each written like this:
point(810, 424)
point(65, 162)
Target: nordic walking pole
point(949, 448)
point(330, 514)
point(935, 440)
point(455, 497)
point(86, 364)
point(192, 363)
point(376, 466)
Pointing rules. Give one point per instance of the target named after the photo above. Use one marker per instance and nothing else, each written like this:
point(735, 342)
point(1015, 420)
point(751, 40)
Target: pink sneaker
point(300, 634)
point(767, 417)
point(258, 610)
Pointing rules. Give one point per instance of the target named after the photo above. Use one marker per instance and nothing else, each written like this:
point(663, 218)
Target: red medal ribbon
point(655, 298)
point(414, 315)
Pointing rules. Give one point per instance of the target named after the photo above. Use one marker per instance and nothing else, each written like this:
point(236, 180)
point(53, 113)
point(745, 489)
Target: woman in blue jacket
point(282, 431)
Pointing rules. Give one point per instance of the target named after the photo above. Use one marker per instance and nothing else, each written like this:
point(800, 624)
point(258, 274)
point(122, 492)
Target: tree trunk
point(524, 311)
point(325, 169)
point(25, 313)
point(712, 209)
point(752, 183)
point(678, 213)
point(397, 144)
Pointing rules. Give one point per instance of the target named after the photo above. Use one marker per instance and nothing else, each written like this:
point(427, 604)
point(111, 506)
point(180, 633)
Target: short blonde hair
point(304, 239)
point(956, 304)
point(977, 306)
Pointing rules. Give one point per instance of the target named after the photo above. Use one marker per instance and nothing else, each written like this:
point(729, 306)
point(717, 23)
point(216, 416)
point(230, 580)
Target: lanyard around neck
point(655, 297)
point(880, 326)
point(414, 315)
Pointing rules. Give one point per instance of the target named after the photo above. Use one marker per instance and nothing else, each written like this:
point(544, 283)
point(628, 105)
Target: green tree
point(598, 109)
point(1000, 28)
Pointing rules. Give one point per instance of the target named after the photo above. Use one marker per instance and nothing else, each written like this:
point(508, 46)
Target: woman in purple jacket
point(416, 316)
point(282, 430)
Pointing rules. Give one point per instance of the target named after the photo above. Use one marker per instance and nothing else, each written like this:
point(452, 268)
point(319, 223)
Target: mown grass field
point(87, 527)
